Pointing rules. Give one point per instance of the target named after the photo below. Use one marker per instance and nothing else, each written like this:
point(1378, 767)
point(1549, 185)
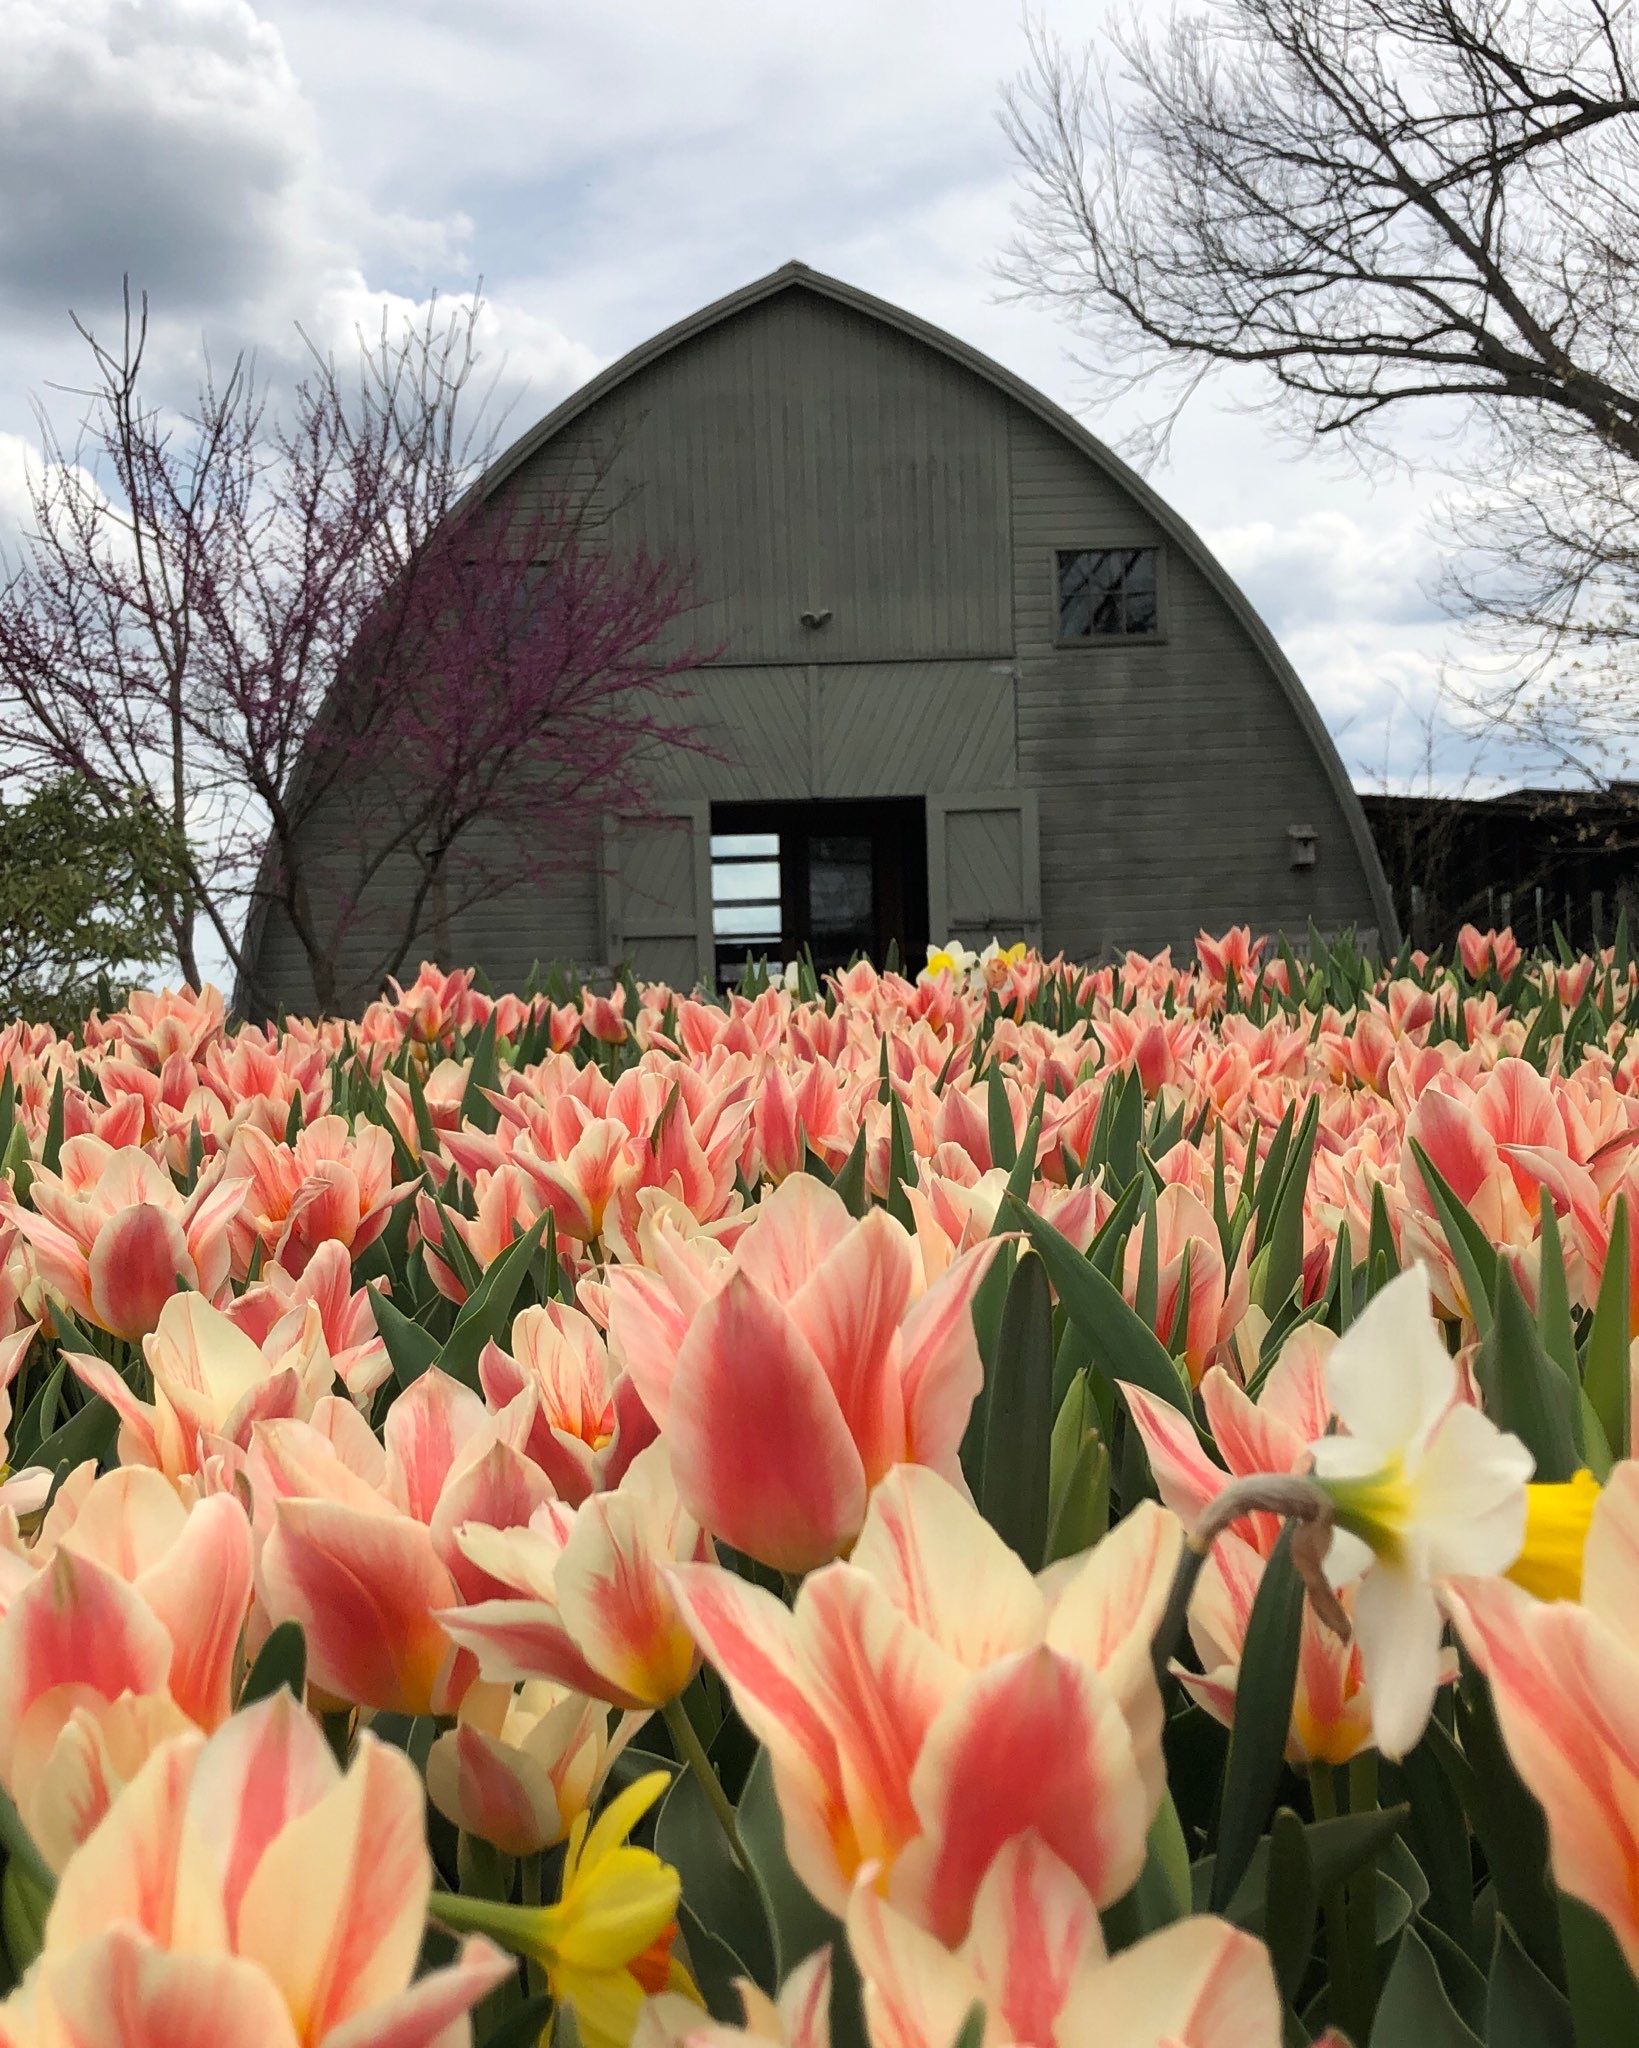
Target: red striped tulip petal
point(1035, 1931)
point(1566, 1688)
point(946, 1570)
point(1197, 1984)
point(136, 1263)
point(495, 1791)
point(747, 1388)
point(429, 2014)
point(1106, 1616)
point(366, 1589)
point(77, 1625)
point(335, 1908)
point(940, 1365)
point(917, 1993)
point(127, 1868)
point(617, 1606)
point(850, 1310)
point(750, 1638)
point(880, 1687)
point(1080, 1788)
point(120, 1991)
point(266, 1767)
point(429, 1428)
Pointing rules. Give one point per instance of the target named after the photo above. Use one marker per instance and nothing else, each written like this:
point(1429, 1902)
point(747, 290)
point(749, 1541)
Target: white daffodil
point(951, 958)
point(1422, 1487)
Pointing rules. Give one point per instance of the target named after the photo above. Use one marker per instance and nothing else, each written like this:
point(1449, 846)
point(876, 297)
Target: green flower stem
point(1362, 1912)
point(691, 1751)
point(1323, 1792)
point(529, 1880)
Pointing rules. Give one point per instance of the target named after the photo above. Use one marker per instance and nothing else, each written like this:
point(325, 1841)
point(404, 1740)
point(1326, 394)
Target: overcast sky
point(606, 169)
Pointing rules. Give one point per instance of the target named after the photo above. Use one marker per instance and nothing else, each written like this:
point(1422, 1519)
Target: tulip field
point(1002, 1505)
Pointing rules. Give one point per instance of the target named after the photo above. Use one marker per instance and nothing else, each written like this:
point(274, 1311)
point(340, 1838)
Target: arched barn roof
point(798, 276)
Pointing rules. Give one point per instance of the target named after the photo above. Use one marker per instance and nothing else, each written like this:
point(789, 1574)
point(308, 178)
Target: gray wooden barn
point(976, 678)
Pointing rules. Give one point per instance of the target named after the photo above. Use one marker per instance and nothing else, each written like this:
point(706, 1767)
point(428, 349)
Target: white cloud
point(607, 170)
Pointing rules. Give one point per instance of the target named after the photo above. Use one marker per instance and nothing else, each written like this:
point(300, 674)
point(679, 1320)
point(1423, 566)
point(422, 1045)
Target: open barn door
point(984, 868)
point(657, 893)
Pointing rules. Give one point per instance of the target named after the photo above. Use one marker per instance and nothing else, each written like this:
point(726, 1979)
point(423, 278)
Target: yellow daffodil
point(1556, 1533)
point(606, 1945)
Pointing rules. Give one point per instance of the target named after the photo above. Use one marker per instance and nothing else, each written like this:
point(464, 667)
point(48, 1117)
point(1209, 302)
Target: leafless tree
point(356, 691)
point(1381, 205)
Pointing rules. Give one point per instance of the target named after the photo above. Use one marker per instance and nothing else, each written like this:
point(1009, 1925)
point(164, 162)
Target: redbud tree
point(297, 633)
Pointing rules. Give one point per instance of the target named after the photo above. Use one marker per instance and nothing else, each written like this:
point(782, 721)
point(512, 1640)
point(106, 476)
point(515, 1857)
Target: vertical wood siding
point(1168, 772)
point(802, 454)
point(802, 457)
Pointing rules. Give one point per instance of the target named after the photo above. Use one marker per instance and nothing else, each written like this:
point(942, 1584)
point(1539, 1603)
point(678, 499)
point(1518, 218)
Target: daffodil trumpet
point(606, 1944)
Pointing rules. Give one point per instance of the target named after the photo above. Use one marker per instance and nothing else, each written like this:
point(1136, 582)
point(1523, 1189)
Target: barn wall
point(1168, 771)
point(802, 456)
point(843, 729)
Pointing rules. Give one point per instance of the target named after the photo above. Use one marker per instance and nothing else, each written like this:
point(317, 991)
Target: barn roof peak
point(1179, 532)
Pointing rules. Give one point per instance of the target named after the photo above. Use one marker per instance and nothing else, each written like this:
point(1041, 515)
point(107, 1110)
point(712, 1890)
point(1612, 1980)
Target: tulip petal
point(119, 1991)
point(201, 1589)
point(1034, 1933)
point(616, 1605)
point(138, 1260)
point(127, 1869)
point(850, 1309)
point(1197, 1984)
point(76, 1625)
point(501, 1794)
point(1185, 1476)
point(1610, 1559)
point(751, 1639)
point(1107, 1616)
point(334, 1911)
point(428, 2015)
point(747, 1388)
point(917, 1994)
point(798, 1225)
point(136, 1417)
point(428, 1428)
point(939, 1364)
point(366, 1589)
point(1566, 1688)
point(1081, 1790)
point(266, 1767)
point(946, 1570)
point(499, 1490)
point(879, 1686)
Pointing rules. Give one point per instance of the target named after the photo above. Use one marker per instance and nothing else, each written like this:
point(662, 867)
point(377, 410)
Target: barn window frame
point(1084, 641)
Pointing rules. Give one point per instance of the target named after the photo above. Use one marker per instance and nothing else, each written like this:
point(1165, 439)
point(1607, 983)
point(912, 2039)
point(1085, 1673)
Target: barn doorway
point(839, 877)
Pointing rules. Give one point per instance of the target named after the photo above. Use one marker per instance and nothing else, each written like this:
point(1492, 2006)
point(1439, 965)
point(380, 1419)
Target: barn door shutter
point(657, 893)
point(984, 868)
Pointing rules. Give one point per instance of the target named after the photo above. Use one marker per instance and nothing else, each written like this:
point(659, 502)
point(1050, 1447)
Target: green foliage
point(87, 890)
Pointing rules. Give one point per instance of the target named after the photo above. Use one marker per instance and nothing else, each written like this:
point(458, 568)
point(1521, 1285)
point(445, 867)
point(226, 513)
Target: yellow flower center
point(1377, 1508)
point(1556, 1534)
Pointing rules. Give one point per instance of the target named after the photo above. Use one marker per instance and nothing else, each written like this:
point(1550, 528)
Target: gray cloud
point(607, 170)
point(168, 139)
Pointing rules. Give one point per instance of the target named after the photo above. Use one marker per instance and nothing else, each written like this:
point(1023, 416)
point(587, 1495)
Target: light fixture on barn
point(1304, 841)
point(813, 620)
